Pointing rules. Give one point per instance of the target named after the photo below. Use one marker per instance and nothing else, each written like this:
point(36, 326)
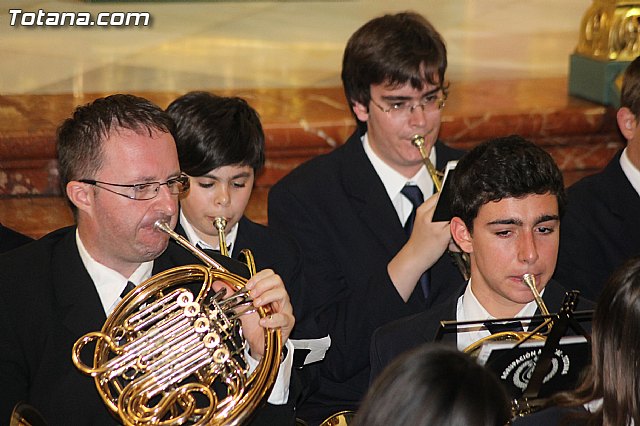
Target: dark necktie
point(130, 286)
point(503, 326)
point(414, 194)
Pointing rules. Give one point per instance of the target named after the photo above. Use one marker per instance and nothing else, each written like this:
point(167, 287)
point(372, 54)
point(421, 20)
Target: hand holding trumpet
point(427, 243)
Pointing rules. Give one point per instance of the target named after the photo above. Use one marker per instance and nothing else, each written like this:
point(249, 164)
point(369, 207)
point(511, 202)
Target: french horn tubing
point(172, 351)
point(461, 259)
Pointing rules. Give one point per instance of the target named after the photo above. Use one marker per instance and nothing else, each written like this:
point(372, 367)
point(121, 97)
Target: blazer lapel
point(241, 241)
point(369, 197)
point(446, 311)
point(75, 292)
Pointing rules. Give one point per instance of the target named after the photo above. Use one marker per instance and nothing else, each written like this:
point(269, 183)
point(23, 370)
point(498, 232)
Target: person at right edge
point(601, 226)
point(351, 211)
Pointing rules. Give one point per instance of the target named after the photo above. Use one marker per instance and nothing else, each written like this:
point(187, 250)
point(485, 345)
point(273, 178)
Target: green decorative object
point(609, 39)
point(596, 80)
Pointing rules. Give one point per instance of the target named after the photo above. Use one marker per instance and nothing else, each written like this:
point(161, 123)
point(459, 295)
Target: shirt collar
point(192, 236)
point(632, 173)
point(110, 283)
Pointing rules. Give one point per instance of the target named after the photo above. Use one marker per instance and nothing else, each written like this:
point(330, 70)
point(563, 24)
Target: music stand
point(533, 370)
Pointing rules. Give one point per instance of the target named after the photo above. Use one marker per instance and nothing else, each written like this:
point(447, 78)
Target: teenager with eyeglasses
point(350, 212)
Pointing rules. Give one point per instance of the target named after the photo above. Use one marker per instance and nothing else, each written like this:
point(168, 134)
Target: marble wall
point(302, 123)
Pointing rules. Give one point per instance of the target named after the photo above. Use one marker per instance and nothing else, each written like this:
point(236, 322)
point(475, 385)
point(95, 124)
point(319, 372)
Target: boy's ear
point(461, 234)
point(360, 110)
point(80, 194)
point(627, 123)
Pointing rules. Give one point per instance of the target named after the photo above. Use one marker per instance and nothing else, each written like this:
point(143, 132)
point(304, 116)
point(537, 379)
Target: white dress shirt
point(394, 182)
point(108, 282)
point(630, 170)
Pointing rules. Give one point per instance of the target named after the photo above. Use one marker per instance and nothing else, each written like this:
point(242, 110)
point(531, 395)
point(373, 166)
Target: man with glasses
point(119, 168)
point(351, 210)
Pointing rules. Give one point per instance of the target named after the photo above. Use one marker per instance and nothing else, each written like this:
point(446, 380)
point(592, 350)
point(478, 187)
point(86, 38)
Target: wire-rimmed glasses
point(146, 190)
point(429, 103)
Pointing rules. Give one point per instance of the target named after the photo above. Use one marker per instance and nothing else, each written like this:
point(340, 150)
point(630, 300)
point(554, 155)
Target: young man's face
point(223, 192)
point(510, 238)
point(119, 232)
point(390, 133)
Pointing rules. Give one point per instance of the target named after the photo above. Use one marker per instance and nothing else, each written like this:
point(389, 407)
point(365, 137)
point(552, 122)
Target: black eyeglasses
point(144, 191)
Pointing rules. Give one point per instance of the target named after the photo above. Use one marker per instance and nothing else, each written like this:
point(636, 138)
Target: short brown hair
point(81, 137)
point(393, 49)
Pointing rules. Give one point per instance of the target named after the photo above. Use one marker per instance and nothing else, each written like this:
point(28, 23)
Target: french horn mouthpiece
point(162, 225)
point(418, 141)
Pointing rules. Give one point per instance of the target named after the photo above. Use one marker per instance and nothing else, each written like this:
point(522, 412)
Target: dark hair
point(630, 95)
point(392, 49)
point(435, 385)
point(507, 167)
point(214, 131)
point(80, 138)
point(614, 375)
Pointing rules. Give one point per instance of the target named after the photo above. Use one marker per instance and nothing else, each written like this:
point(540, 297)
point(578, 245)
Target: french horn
point(172, 351)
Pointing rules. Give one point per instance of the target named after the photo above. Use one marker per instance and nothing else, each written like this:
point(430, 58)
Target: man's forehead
point(150, 149)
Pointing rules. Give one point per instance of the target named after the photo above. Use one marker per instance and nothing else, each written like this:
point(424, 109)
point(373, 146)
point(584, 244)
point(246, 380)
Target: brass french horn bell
point(460, 258)
point(172, 351)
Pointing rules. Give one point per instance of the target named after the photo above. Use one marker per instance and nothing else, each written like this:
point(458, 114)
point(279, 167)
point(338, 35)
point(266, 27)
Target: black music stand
point(531, 370)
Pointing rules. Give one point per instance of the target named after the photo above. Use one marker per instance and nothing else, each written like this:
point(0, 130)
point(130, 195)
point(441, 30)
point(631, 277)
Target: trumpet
point(461, 259)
